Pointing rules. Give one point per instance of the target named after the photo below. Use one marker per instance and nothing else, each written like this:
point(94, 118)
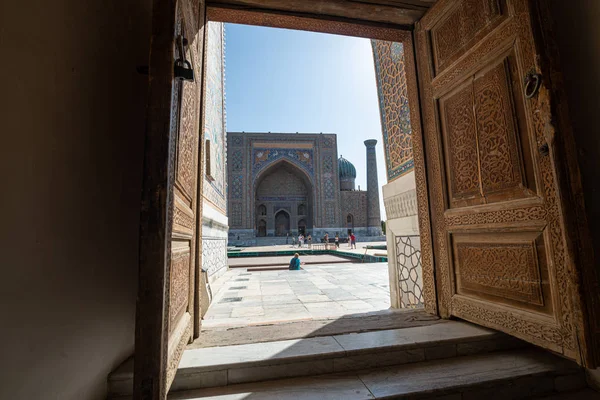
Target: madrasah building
point(284, 184)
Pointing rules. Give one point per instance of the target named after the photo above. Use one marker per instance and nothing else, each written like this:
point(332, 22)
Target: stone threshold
point(255, 362)
point(509, 375)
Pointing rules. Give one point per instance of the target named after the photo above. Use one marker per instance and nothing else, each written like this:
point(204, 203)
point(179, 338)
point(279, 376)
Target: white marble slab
point(322, 388)
point(460, 372)
point(411, 337)
point(259, 353)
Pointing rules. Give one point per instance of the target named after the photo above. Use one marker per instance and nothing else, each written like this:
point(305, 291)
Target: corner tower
point(373, 213)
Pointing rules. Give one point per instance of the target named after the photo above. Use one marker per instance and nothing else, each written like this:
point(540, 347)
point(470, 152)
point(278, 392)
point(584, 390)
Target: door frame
point(373, 21)
point(220, 12)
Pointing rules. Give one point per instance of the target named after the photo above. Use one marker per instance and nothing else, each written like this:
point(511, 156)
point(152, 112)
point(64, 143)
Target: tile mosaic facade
point(258, 160)
point(214, 125)
point(264, 157)
point(214, 212)
point(394, 107)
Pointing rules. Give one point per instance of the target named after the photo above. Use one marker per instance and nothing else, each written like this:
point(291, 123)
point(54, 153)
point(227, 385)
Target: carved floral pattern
point(462, 144)
point(500, 161)
point(394, 107)
point(179, 293)
point(506, 270)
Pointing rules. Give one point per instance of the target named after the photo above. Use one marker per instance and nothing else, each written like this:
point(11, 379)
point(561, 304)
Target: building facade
point(284, 184)
point(214, 188)
point(400, 192)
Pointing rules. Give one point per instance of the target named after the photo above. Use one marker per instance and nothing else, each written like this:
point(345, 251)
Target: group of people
point(295, 261)
point(302, 240)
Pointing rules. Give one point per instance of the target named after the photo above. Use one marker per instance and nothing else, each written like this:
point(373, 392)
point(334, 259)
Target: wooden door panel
point(462, 26)
point(168, 240)
point(459, 129)
point(504, 267)
point(498, 229)
point(481, 121)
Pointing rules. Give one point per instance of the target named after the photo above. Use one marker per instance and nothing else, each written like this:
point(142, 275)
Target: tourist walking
point(326, 240)
point(300, 241)
point(352, 241)
point(309, 242)
point(295, 263)
point(337, 241)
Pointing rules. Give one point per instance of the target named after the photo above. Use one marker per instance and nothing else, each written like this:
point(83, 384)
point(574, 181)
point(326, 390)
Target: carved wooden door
point(497, 213)
point(170, 209)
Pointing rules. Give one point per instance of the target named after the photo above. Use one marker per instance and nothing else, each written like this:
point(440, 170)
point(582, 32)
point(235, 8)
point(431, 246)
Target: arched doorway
point(282, 223)
point(350, 223)
point(262, 228)
point(302, 226)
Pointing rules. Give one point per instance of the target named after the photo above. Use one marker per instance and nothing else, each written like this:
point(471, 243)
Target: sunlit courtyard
point(317, 291)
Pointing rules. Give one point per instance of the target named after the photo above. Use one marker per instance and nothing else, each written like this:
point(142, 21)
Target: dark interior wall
point(72, 112)
point(578, 36)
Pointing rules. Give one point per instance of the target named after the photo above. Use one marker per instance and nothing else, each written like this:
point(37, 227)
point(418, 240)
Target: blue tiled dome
point(346, 169)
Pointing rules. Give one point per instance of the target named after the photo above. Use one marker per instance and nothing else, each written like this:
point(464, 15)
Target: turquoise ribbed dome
point(346, 169)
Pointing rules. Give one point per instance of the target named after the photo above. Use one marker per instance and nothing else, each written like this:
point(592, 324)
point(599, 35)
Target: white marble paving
point(326, 291)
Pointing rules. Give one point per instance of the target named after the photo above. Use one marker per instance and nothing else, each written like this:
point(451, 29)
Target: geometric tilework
point(394, 108)
point(235, 214)
point(237, 189)
point(328, 164)
point(237, 141)
point(237, 160)
point(328, 188)
point(410, 270)
point(330, 213)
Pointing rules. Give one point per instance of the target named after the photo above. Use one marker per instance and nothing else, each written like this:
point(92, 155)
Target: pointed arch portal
point(287, 194)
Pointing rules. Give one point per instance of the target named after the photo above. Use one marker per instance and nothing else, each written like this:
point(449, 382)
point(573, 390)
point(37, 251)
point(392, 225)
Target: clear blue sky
point(280, 80)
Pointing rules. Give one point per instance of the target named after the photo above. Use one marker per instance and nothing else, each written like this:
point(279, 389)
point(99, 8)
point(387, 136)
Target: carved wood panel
point(488, 270)
point(481, 144)
point(460, 138)
point(179, 282)
point(499, 153)
point(453, 35)
point(505, 267)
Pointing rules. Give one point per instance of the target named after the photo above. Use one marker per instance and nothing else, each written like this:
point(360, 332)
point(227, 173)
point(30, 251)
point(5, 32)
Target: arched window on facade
point(262, 210)
point(349, 224)
point(301, 209)
point(262, 228)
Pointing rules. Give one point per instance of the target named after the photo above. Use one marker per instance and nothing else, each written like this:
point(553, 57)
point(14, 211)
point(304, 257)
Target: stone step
point(507, 375)
point(222, 366)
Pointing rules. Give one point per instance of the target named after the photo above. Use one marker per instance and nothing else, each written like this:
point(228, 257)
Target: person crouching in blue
point(295, 262)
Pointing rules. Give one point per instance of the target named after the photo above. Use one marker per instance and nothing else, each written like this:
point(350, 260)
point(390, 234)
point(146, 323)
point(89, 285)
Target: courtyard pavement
point(344, 247)
point(321, 291)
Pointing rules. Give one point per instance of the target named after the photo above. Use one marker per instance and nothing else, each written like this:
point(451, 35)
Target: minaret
point(373, 214)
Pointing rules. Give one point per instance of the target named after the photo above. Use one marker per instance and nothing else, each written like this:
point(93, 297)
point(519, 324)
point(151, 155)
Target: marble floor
point(318, 291)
